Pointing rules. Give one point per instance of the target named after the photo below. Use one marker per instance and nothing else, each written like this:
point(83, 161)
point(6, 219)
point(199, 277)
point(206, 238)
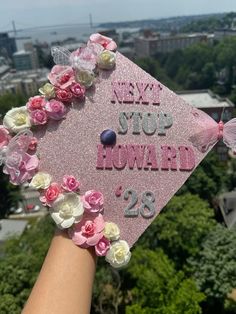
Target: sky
point(30, 13)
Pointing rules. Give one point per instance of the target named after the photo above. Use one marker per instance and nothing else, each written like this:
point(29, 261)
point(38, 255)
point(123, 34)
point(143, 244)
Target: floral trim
point(81, 215)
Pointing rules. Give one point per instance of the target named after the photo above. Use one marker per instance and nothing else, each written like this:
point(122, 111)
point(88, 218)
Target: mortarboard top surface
point(151, 122)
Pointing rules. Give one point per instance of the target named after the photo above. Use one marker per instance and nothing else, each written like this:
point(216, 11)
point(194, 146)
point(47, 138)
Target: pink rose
point(55, 109)
point(4, 136)
point(38, 117)
point(64, 94)
point(85, 58)
point(21, 167)
point(33, 144)
point(50, 195)
point(93, 201)
point(102, 247)
point(61, 76)
point(88, 231)
point(78, 90)
point(70, 184)
point(106, 42)
point(36, 103)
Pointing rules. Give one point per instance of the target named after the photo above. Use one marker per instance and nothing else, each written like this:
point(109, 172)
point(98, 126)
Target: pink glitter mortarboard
point(158, 130)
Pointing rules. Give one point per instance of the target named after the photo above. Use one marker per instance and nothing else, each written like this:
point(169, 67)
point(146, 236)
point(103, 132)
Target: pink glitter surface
point(70, 147)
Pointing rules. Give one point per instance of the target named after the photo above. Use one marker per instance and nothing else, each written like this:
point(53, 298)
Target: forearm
point(66, 279)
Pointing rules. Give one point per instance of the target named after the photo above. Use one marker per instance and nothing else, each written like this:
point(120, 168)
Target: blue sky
point(28, 13)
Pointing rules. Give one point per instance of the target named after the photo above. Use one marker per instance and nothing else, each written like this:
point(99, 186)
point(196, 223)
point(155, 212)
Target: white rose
point(67, 210)
point(119, 254)
point(47, 90)
point(41, 181)
point(106, 60)
point(85, 78)
point(17, 119)
point(111, 231)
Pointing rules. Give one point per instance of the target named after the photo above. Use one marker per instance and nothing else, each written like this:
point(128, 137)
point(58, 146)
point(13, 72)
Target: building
point(23, 60)
point(23, 82)
point(34, 56)
point(7, 45)
point(153, 44)
point(216, 107)
point(222, 33)
point(26, 59)
point(4, 66)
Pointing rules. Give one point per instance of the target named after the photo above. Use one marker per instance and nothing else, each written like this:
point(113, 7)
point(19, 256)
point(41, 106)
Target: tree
point(9, 194)
point(180, 228)
point(20, 263)
point(153, 67)
point(214, 267)
point(208, 179)
point(8, 101)
point(159, 288)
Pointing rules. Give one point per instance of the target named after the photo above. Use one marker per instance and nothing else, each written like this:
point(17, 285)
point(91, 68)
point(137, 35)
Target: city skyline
point(28, 14)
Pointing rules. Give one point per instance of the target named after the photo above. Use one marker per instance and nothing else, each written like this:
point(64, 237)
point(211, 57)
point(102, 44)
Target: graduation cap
point(113, 146)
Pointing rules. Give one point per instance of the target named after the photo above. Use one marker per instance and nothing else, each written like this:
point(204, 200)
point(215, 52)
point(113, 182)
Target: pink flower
point(78, 90)
point(85, 58)
point(4, 136)
point(21, 167)
point(38, 117)
point(106, 42)
point(36, 103)
point(88, 232)
point(70, 184)
point(55, 109)
point(102, 247)
point(64, 94)
point(50, 195)
point(93, 201)
point(33, 144)
point(61, 76)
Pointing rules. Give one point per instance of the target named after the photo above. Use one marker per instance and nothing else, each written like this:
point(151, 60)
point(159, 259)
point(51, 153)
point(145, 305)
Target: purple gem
point(108, 137)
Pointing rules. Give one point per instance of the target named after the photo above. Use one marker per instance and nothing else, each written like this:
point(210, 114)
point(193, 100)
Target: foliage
point(8, 101)
point(180, 228)
point(107, 293)
point(9, 194)
point(8, 304)
point(211, 24)
point(158, 288)
point(208, 179)
point(20, 263)
point(214, 267)
point(152, 67)
point(200, 66)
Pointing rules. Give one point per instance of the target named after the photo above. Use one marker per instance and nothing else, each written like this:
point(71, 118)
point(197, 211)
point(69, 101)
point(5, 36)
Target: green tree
point(153, 67)
point(20, 263)
point(208, 179)
point(8, 101)
point(225, 58)
point(180, 228)
point(159, 288)
point(9, 194)
point(214, 267)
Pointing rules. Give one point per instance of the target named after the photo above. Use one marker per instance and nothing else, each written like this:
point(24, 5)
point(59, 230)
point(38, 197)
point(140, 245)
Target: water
point(81, 33)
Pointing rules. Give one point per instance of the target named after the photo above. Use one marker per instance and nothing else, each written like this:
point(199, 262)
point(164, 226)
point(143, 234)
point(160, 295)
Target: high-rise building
point(7, 45)
point(26, 59)
point(23, 60)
